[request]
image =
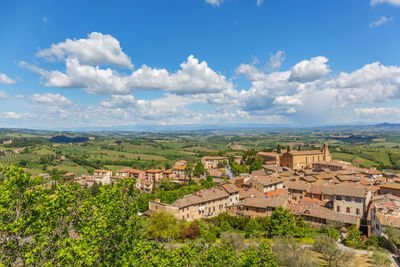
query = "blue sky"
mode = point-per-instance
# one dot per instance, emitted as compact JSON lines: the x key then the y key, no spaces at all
{"x":67,"y":64}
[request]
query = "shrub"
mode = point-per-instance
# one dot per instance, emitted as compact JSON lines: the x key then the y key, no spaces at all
{"x":236,"y":240}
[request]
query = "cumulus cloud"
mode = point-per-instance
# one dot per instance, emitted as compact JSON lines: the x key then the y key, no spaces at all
{"x":387,"y":113}
{"x":390,"y":2}
{"x":214,"y":2}
{"x":194,"y":77}
{"x":380,"y":21}
{"x":119,"y":101}
{"x":3,"y":95}
{"x":51,"y":99}
{"x":276,"y":60}
{"x":97,"y":49}
{"x":13,"y":115}
{"x":309,"y":70}
{"x":6,"y":80}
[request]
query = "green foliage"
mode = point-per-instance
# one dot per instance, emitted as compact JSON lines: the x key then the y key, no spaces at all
{"x":162,"y":226}
{"x":281,"y":222}
{"x":328,"y":247}
{"x":261,"y":256}
{"x":378,"y":242}
{"x":331,"y":232}
{"x":218,"y":255}
{"x":238,"y":168}
{"x":199,"y":169}
{"x":353,"y":233}
{"x":192,"y":231}
{"x":289,"y":253}
{"x":253,"y":228}
{"x":256,"y":165}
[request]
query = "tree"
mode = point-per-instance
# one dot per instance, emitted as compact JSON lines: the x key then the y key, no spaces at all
{"x":288,"y":148}
{"x":288,"y":253}
{"x":256,"y":165}
{"x":353,"y":233}
{"x":281,"y":222}
{"x":222,"y":164}
{"x":278,"y":149}
{"x":162,"y":226}
{"x":261,"y":256}
{"x":192,"y":231}
{"x":236,"y":240}
{"x":219,"y":255}
{"x":253,"y":228}
{"x":333,"y":255}
{"x":199,"y":169}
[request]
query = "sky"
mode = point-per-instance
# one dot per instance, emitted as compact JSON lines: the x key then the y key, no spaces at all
{"x":71,"y":64}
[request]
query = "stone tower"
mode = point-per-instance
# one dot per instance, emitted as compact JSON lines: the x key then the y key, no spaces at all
{"x":327,"y":155}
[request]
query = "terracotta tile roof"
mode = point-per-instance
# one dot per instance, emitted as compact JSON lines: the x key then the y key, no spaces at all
{"x":266,"y":180}
{"x":214,"y":158}
{"x":259,"y":202}
{"x":103,"y":171}
{"x":391,"y":186}
{"x":388,"y":220}
{"x":181,"y":168}
{"x":276,"y":192}
{"x":324,"y":213}
{"x":306,"y":152}
{"x":154,"y":171}
{"x":296,"y":185}
{"x":251,"y":192}
{"x":201,"y":196}
{"x":350,"y":191}
{"x":230,"y":188}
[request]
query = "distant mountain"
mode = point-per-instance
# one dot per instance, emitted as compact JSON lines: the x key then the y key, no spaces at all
{"x":386,"y":124}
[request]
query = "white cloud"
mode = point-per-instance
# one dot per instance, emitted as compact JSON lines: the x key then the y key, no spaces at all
{"x":259,"y":2}
{"x":390,"y":2}
{"x":194,"y":77}
{"x":380,"y":21}
{"x":13,"y":115}
{"x":214,"y":2}
{"x":309,"y":70}
{"x":119,"y":101}
{"x":3,"y":95}
{"x":288,"y":100}
{"x":51,"y":100}
{"x":6,"y":80}
{"x":276,"y":60}
{"x":97,"y":49}
{"x":387,"y":113}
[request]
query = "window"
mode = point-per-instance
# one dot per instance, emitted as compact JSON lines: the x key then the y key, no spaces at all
{"x":214,"y":208}
{"x":348,"y":199}
{"x":348,"y":209}
{"x":357,"y":211}
{"x":338,"y":198}
{"x":187,"y":216}
{"x":358,"y":200}
{"x":236,"y":198}
{"x":338,"y":208}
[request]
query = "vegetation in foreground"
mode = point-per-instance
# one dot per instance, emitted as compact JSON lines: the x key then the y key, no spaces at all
{"x":69,"y":225}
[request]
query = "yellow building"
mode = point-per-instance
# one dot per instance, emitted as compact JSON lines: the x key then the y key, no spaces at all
{"x":304,"y":159}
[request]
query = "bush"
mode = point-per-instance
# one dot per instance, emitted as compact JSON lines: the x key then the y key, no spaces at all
{"x":378,"y":242}
{"x":253,"y":228}
{"x":331,"y":232}
{"x":354,"y":244}
{"x":236,"y":240}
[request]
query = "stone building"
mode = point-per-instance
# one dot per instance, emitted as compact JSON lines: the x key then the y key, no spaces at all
{"x":304,"y":159}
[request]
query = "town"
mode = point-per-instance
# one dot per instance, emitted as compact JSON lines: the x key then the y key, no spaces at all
{"x":308,"y":183}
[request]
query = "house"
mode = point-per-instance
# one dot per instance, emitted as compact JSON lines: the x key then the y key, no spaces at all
{"x":387,"y":209}
{"x":233,"y":192}
{"x":304,"y":159}
{"x":351,"y":200}
{"x":154,"y":175}
{"x":334,"y":165}
{"x":212,"y":162}
{"x":102,"y":176}
{"x":99,"y":172}
{"x":316,"y":216}
{"x":266,"y":183}
{"x":270,"y":158}
{"x":178,"y":172}
{"x":238,"y":159}
{"x":261,"y":206}
{"x":390,"y":188}
{"x":202,"y":204}
{"x":130,"y":173}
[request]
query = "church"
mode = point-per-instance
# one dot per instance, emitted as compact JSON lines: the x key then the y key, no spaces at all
{"x":304,"y":159}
